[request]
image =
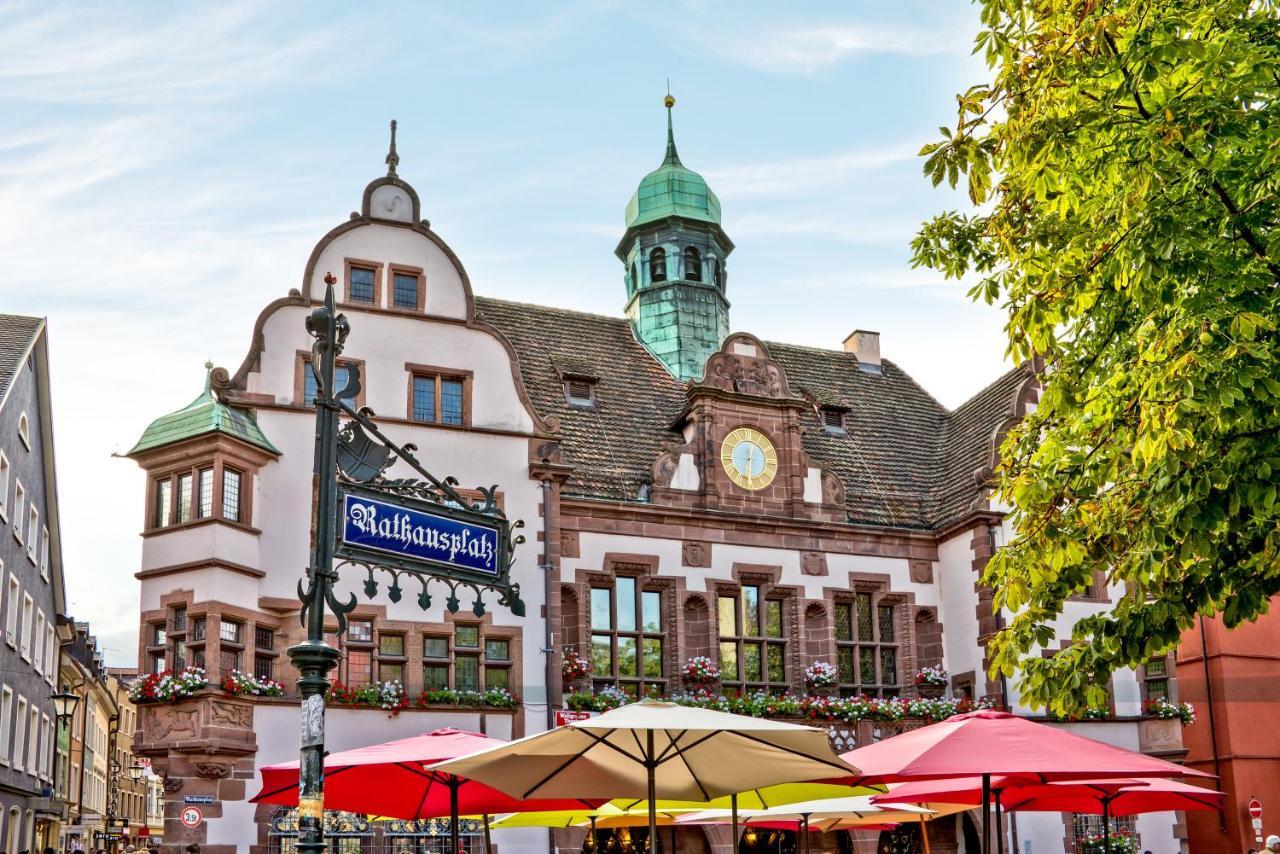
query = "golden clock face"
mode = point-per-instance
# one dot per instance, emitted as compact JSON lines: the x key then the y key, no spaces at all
{"x":749,"y":458}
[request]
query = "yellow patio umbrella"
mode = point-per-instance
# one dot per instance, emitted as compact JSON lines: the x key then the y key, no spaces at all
{"x":606,"y":816}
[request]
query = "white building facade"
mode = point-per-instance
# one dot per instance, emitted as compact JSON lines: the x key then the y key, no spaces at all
{"x":773,"y":507}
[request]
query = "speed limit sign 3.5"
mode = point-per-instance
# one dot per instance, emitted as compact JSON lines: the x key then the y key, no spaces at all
{"x":191,"y":816}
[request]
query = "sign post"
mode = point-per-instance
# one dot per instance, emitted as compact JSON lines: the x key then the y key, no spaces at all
{"x":417,"y":529}
{"x":1255,"y":814}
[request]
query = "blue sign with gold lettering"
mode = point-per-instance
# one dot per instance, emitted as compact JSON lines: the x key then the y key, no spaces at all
{"x":413,"y":531}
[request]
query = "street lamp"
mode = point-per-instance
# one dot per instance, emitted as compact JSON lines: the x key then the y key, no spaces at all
{"x":64,"y":704}
{"x":135,"y":772}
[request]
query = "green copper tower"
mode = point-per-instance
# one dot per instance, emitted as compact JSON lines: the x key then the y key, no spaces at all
{"x":674,"y":251}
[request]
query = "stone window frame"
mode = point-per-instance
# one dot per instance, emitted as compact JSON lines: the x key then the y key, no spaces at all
{"x":215,"y":464}
{"x":348,"y":264}
{"x":770,"y":590}
{"x":6,"y":474}
{"x":486,"y":631}
{"x":395,"y":269}
{"x":1169,"y":677}
{"x":642,"y":683}
{"x":302,"y":364}
{"x":879,"y":595}
{"x":439,"y":374}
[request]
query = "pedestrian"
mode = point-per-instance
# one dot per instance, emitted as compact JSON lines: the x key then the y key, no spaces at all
{"x":1273,"y":843}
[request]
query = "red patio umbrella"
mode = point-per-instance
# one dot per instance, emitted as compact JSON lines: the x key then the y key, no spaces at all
{"x":391,"y":780}
{"x":990,"y":744}
{"x":1107,"y":797}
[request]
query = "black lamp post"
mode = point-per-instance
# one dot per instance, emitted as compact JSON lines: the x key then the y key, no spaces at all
{"x":64,"y":709}
{"x":350,"y":460}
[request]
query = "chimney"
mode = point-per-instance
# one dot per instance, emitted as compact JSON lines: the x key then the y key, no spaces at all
{"x":865,"y":346}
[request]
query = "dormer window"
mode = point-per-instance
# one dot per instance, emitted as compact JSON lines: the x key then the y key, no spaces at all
{"x":580,"y":392}
{"x":658,"y":265}
{"x":832,"y":418}
{"x":693,"y":264}
{"x":408,"y":286}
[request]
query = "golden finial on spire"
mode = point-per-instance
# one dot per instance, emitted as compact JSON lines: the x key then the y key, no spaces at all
{"x":669,"y":101}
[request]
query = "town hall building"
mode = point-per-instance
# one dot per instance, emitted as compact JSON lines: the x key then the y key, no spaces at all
{"x":688,"y":490}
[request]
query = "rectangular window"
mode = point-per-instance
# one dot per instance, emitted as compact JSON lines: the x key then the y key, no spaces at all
{"x":263,"y":665}
{"x":388,"y":672}
{"x":197,"y":628}
{"x":184,"y":498}
{"x":231,"y":480}
{"x":627,"y":637}
{"x":832,"y":419}
{"x":6,"y":723}
{"x":19,"y":734}
{"x":33,"y":740}
{"x":435,"y":677}
{"x":752,"y":640}
{"x":229,"y":660}
{"x":197,"y":657}
{"x":466,"y":673}
{"x":360,"y":631}
{"x":1155,"y":679}
{"x":580,"y":393}
{"x":404,"y":288}
{"x":435,"y":647}
{"x":466,"y":636}
{"x":33,"y":532}
{"x":37,"y":642}
{"x":5,"y":473}
{"x":391,"y":645}
{"x":162,"y":512}
{"x":44,"y":553}
{"x":360,"y":285}
{"x":179,"y":655}
{"x":264,"y":637}
{"x":19,"y":507}
{"x":230,"y":630}
{"x":439,"y":399}
{"x":24,"y":629}
{"x":341,"y":373}
{"x":178,"y":617}
{"x":158,"y":634}
{"x":50,"y":652}
{"x":866,"y":647}
{"x":204,"y":488}
{"x":497,"y":677}
{"x":157,"y":662}
{"x":497,"y":649}
{"x":11,"y":615}
{"x":359,"y":667}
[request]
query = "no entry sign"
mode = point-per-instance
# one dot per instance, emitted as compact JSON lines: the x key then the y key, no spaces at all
{"x":1255,"y":808}
{"x":191,"y":816}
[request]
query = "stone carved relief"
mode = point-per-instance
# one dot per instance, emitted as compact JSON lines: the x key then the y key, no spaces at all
{"x":664,"y":468}
{"x":813,"y":563}
{"x":172,"y":784}
{"x":212,"y":770}
{"x":173,"y":724}
{"x":745,"y":375}
{"x":921,"y":571}
{"x":696,"y":553}
{"x":231,"y":714}
{"x":832,"y":489}
{"x":569,"y":544}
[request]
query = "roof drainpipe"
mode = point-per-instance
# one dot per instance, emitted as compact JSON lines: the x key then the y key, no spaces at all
{"x":1213,"y":730}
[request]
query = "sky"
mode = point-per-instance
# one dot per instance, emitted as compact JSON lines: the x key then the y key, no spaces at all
{"x":165,"y":170}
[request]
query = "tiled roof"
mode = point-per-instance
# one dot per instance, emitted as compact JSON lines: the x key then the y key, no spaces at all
{"x":16,"y":332}
{"x":611,"y":447}
{"x":904,"y":459}
{"x":206,"y":414}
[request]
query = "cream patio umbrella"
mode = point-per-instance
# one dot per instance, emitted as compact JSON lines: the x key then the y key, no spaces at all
{"x":654,"y":749}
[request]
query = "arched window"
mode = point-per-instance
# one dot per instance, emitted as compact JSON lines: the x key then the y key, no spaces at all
{"x":635,"y":279}
{"x":658,"y":265}
{"x":692,"y":264}
{"x":715,"y":272}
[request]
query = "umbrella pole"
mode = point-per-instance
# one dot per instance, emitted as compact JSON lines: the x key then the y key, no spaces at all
{"x":999,"y":824}
{"x":455,"y":838}
{"x":488,"y":841}
{"x":651,"y":767}
{"x":595,"y":840}
{"x":924,"y":833}
{"x":804,"y":833}
{"x":1106,"y":825}
{"x":986,"y":814}
{"x":733,"y":805}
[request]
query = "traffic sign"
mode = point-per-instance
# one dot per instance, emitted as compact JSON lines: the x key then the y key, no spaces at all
{"x":199,"y":799}
{"x":1255,"y":808}
{"x":191,"y":817}
{"x":565,"y":716}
